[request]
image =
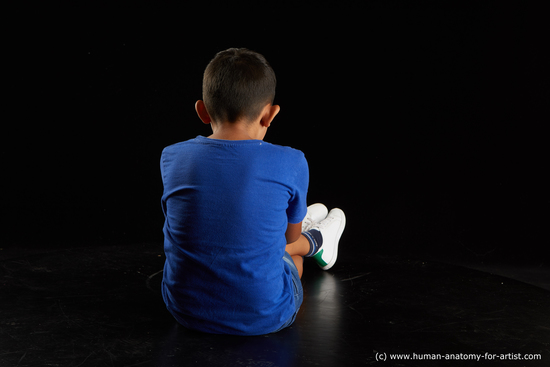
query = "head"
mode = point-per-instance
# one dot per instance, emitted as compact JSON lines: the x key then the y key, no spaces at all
{"x":237,"y":85}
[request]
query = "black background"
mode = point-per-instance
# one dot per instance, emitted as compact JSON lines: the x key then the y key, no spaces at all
{"x":424,"y":123}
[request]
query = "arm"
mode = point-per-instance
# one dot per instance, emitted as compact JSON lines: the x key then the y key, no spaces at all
{"x":293,"y":232}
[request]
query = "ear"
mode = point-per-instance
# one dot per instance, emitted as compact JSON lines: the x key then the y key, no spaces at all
{"x":202,"y":112}
{"x":269,"y":114}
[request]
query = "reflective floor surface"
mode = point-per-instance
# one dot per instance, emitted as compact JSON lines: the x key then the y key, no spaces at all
{"x":101,"y":306}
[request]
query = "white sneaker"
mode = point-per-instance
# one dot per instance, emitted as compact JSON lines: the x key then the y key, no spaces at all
{"x":331,"y":229}
{"x":315,"y":213}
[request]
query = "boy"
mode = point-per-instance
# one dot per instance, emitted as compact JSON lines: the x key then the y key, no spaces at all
{"x":236,"y":222}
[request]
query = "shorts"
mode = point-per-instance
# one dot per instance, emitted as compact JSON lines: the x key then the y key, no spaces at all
{"x":298,"y":291}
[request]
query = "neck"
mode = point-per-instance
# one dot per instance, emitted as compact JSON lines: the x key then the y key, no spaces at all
{"x":234,"y":131}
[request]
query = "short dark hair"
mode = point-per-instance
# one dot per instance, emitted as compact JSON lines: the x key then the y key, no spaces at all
{"x":237,"y":83}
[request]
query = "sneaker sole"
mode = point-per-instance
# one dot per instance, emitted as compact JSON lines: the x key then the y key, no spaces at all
{"x":339,"y":235}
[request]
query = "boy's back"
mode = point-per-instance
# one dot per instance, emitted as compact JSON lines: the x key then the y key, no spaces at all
{"x":227,"y":206}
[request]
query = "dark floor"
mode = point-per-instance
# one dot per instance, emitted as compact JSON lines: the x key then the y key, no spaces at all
{"x":101,"y":306}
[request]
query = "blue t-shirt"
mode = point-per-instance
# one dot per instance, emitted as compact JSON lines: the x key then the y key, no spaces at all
{"x":227,"y":205}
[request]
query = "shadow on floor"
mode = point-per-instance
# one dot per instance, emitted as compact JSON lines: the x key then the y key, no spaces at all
{"x":101,"y":306}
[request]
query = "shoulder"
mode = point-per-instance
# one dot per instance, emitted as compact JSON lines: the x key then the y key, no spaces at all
{"x":286,"y":151}
{"x":177,"y":153}
{"x":289,"y":160}
{"x":179,"y":146}
{"x":181,"y":149}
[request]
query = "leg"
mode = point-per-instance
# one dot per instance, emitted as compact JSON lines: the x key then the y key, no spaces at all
{"x":299,"y":247}
{"x":299,"y":262}
{"x":297,"y":250}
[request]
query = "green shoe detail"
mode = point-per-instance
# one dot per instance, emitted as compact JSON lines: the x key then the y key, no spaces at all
{"x":319,"y":258}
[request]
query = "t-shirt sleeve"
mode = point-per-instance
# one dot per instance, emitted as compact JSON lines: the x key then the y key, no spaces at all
{"x":297,"y":205}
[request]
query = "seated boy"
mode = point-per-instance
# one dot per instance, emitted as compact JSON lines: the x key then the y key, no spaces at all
{"x":236,"y":221}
